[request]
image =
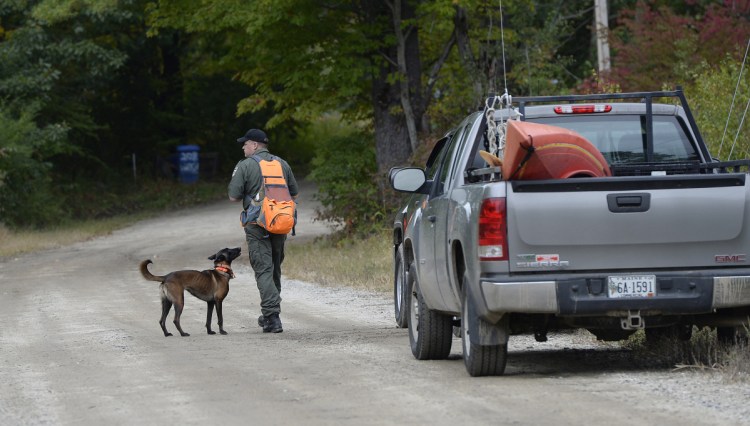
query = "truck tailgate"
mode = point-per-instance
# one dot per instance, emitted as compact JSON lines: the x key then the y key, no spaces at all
{"x":650,"y":222}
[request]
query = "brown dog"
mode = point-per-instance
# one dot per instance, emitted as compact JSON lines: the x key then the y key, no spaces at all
{"x":210,"y":285}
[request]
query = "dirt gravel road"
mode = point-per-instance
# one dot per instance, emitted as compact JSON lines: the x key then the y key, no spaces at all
{"x":80,"y":345}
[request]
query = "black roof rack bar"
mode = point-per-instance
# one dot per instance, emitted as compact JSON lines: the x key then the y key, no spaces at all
{"x":647,"y":97}
{"x":599,"y":96}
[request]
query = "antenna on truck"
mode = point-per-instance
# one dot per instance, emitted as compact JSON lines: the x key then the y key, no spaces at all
{"x":736,"y":89}
{"x":502,"y":45}
{"x":496,"y":128}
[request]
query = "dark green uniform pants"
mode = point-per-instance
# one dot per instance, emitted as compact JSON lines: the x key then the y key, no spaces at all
{"x":266,"y":254}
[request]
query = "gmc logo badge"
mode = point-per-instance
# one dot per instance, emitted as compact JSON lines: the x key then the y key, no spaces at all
{"x":730,"y":258}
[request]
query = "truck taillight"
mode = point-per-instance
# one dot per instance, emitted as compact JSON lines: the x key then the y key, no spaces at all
{"x":493,"y":241}
{"x":582,"y":109}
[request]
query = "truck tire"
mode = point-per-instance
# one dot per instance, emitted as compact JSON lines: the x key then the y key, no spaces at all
{"x":399,"y":288}
{"x":430,"y":333}
{"x":480,"y":360}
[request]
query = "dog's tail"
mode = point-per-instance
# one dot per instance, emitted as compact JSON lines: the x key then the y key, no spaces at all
{"x":148,"y":275}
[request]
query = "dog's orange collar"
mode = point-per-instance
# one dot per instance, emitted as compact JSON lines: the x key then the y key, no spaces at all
{"x":225,"y":269}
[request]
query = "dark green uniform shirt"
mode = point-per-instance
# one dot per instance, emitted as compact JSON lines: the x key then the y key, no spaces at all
{"x":247,"y":179}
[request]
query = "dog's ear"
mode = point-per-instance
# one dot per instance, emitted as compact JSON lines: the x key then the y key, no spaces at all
{"x":212,"y":257}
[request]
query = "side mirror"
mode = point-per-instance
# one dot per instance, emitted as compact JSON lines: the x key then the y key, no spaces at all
{"x":409,"y":179}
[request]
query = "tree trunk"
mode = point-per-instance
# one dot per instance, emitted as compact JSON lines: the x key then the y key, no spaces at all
{"x":400,"y":106}
{"x":409,"y":68}
{"x":391,"y":136}
{"x":392,"y":147}
{"x":470,"y":63}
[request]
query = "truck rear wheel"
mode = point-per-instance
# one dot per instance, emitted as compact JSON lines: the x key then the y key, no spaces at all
{"x":430,"y":333}
{"x":480,"y":360}
{"x":399,"y":288}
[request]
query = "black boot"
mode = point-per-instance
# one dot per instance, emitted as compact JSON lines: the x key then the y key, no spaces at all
{"x":262,"y":321}
{"x":272,"y":324}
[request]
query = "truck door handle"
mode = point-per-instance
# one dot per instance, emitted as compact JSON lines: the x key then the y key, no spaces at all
{"x":432,"y":218}
{"x":629,"y":203}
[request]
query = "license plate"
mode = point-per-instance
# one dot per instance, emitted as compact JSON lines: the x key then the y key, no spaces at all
{"x":632,"y":286}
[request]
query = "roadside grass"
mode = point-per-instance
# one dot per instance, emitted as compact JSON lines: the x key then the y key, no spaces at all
{"x":702,"y":352}
{"x":104,"y":214}
{"x":23,"y":241}
{"x":364,"y":264}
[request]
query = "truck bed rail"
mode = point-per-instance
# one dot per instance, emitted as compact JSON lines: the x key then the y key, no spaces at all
{"x":680,"y":168}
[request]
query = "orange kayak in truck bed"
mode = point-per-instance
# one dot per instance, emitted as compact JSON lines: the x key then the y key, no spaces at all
{"x":539,"y":151}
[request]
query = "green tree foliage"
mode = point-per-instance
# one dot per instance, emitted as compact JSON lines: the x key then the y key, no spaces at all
{"x":85,"y":85}
{"x":719,"y":98}
{"x":544,"y":48}
{"x":299,"y":57}
{"x":26,"y":190}
{"x":88,"y":69}
{"x":344,"y":168}
{"x":304,"y":57}
{"x":47,"y":66}
{"x":58,"y":55}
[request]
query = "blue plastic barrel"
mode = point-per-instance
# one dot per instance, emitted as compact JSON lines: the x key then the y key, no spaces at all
{"x":188,"y":162}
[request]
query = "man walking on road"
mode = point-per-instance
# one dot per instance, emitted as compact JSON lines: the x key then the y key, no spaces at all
{"x":266,"y":249}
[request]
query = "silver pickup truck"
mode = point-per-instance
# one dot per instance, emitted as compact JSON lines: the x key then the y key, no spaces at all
{"x":660,"y":245}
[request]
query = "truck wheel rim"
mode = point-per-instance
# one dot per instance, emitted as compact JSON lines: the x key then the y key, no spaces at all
{"x":414,"y":315}
{"x":400,"y":286}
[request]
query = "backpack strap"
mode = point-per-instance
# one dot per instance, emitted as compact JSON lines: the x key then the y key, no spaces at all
{"x":274,"y":181}
{"x":257,"y":158}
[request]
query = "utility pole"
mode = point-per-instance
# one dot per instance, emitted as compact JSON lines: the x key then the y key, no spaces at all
{"x":602,"y":33}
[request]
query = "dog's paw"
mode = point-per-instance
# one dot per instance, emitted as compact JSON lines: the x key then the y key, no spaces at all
{"x":185,"y":334}
{"x":211,"y":332}
{"x":167,"y":334}
{"x":223,"y":332}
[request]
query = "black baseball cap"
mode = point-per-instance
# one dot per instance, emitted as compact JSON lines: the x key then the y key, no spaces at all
{"x":254,"y":135}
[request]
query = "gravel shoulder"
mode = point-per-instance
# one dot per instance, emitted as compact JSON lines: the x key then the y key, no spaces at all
{"x":81,"y":345}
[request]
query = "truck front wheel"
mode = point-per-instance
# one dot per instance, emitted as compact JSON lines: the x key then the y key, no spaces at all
{"x":400,"y":295}
{"x":480,"y":360}
{"x":430,"y":332}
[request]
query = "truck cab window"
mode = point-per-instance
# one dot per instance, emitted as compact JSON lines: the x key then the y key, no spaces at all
{"x":622,"y":139}
{"x":445,"y":164}
{"x":435,"y":157}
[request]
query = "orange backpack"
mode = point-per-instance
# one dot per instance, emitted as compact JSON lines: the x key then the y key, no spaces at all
{"x":278,"y":211}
